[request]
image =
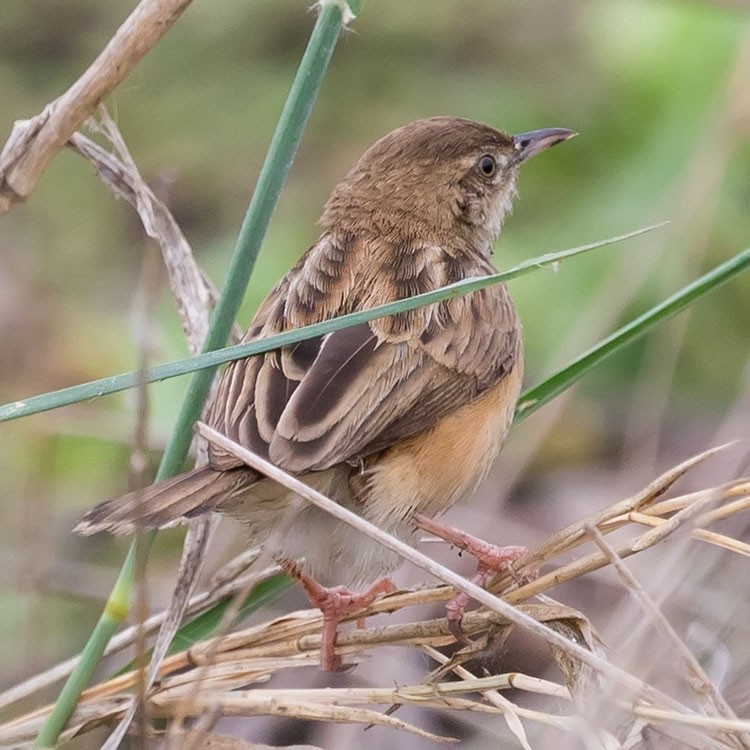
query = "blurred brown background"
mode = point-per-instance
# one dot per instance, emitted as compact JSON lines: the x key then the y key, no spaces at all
{"x":660,"y":93}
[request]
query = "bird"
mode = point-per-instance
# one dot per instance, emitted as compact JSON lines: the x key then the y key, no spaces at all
{"x":396,"y":419}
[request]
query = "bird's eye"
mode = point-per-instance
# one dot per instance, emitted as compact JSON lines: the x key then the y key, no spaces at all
{"x":487,"y":165}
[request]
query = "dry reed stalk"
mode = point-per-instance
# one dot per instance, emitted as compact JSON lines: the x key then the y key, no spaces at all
{"x":224,"y":668}
{"x":34,"y":143}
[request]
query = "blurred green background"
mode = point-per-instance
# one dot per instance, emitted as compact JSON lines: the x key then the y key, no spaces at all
{"x":660,"y":94}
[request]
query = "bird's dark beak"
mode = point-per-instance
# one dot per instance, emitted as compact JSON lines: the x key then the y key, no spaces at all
{"x":528,"y":144}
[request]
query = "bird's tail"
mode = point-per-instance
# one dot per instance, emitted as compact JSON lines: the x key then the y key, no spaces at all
{"x":161,"y":504}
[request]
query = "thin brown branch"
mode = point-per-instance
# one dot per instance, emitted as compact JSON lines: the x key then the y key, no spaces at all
{"x":34,"y":143}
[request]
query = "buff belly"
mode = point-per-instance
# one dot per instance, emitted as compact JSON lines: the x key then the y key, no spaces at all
{"x":424,"y":474}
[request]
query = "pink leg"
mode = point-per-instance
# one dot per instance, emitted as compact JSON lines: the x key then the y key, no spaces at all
{"x":490,"y":559}
{"x":335,"y":603}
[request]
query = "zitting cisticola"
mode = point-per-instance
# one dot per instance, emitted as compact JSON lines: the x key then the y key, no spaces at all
{"x":397,"y":418}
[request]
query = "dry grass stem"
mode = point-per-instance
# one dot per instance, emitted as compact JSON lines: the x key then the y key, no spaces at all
{"x":230,"y":579}
{"x":34,"y":143}
{"x":624,"y":549}
{"x":513,"y":713}
{"x":192,"y":293}
{"x":559,"y":642}
{"x":657,"y":716}
{"x":713,"y":702}
{"x":193,"y":296}
{"x":220,"y":676}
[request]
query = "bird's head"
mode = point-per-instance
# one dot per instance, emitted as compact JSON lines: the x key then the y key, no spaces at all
{"x":443,"y":179}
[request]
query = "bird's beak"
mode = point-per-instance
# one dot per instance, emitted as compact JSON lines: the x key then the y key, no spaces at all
{"x":528,"y":144}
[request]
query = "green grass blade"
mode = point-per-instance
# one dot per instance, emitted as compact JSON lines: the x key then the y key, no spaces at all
{"x":116,"y":383}
{"x":274,"y":172}
{"x":207,"y":622}
{"x":536,"y":397}
{"x":105,"y":628}
{"x":275,"y":169}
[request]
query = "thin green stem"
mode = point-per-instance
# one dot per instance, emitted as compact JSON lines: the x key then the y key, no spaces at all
{"x":536,"y":397}
{"x":275,"y":169}
{"x":105,"y":628}
{"x":115,"y":383}
{"x":281,"y":153}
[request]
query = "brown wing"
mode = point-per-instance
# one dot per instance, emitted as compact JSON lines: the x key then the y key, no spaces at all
{"x":356,"y":391}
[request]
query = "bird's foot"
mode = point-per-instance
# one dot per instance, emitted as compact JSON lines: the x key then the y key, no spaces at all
{"x":490,"y":559}
{"x":335,"y":603}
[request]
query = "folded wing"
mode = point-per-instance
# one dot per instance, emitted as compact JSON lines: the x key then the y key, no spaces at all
{"x":354,"y":392}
